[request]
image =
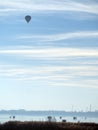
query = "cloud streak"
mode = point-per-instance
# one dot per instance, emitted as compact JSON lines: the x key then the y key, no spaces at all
{"x":53,"y":76}
{"x":59,"y":37}
{"x":51,"y":52}
{"x":52,"y":5}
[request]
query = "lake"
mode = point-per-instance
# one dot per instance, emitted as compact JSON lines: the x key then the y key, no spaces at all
{"x":5,"y":118}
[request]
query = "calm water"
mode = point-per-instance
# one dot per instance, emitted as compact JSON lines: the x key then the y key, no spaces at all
{"x":5,"y":118}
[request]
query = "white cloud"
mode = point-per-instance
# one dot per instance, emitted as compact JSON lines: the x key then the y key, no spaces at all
{"x":58,"y":37}
{"x":52,"y":5}
{"x":51,"y":52}
{"x":54,"y":75}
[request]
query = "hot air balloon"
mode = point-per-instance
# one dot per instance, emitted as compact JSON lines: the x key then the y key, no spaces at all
{"x":28,"y":18}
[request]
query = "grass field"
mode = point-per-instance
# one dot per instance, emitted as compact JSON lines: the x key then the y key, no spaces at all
{"x":16,"y":125}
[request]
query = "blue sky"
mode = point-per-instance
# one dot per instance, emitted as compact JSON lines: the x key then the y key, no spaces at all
{"x":50,"y":63}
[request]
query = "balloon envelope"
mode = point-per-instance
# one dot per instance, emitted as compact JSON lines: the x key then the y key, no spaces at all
{"x":28,"y":18}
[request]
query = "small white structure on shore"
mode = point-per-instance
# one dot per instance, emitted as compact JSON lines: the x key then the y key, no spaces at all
{"x":51,"y":119}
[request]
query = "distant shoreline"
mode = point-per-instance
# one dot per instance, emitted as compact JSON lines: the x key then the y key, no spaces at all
{"x":17,"y":125}
{"x":48,"y":113}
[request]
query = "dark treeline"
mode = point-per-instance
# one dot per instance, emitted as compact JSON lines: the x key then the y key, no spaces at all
{"x":47,"y":126}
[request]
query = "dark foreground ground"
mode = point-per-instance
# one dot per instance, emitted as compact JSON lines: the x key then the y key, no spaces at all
{"x":47,"y":126}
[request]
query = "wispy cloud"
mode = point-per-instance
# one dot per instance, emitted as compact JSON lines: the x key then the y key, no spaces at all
{"x":52,"y":5}
{"x":59,"y":37}
{"x":51,"y":52}
{"x":54,"y":75}
{"x":79,"y":83}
